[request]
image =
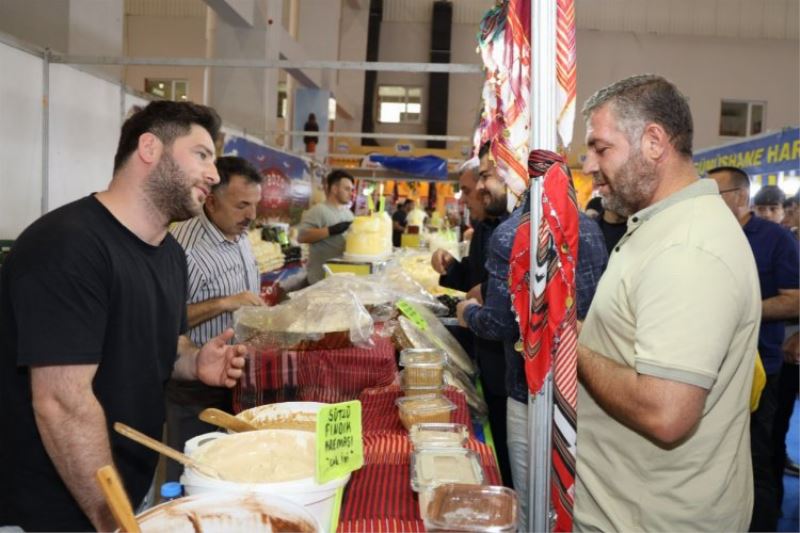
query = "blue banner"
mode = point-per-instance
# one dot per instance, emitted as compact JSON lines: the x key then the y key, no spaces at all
{"x":768,"y":154}
{"x":286,"y":190}
{"x":428,"y":166}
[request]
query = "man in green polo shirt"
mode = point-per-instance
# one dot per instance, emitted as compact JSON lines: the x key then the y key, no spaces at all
{"x":666,"y":353}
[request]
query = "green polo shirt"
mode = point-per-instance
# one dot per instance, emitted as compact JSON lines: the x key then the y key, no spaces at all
{"x":680,"y":300}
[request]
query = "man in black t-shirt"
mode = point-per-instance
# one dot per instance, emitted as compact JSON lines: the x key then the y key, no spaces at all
{"x":92,"y":315}
{"x":399,"y":221}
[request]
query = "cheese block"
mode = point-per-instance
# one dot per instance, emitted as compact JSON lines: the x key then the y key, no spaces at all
{"x":369,"y":236}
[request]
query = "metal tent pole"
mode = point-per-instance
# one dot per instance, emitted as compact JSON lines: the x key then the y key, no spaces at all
{"x":543,"y":136}
{"x":286,"y":64}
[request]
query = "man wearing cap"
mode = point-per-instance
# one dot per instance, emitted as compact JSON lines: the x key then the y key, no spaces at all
{"x":776,"y":255}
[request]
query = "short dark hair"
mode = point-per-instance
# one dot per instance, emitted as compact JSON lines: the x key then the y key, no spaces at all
{"x":769,"y":195}
{"x":738,"y":176}
{"x":230,"y":166}
{"x":484,"y":149}
{"x":638,"y":100}
{"x":336,"y":176}
{"x":167,"y":121}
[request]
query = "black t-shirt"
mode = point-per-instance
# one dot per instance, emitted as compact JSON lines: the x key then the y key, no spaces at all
{"x":80,"y":288}
{"x":612,"y":233}
{"x":399,"y":216}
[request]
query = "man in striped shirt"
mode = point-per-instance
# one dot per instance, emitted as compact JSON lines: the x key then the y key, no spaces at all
{"x":223,"y":277}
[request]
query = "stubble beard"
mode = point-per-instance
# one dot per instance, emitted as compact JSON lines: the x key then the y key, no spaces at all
{"x":169,"y":190}
{"x":633,"y":188}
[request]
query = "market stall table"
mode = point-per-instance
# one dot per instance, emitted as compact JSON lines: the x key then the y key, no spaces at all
{"x":378,"y":497}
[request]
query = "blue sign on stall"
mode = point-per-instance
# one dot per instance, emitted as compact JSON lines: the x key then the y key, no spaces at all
{"x":771,"y":153}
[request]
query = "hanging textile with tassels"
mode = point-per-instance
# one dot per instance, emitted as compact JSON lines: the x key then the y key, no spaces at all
{"x":504,"y":45}
{"x":565,"y":69}
{"x":548,"y":323}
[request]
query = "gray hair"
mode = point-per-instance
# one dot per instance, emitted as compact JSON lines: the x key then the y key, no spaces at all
{"x":647,"y":98}
{"x":469,"y":165}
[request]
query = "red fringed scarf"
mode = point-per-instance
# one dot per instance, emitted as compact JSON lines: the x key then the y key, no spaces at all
{"x":548,"y":324}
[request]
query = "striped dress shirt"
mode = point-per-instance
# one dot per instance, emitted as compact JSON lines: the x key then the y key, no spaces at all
{"x":218,"y":267}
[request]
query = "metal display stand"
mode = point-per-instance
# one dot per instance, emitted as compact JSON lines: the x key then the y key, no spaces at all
{"x":543,"y":114}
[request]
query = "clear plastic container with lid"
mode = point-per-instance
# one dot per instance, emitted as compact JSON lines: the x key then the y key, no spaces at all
{"x":462,"y":507}
{"x":423,"y":366}
{"x":434,"y":466}
{"x":415,"y":390}
{"x":438,"y":435}
{"x":424,"y":408}
{"x":422,"y":356}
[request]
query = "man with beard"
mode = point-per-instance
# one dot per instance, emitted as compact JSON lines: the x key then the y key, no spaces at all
{"x":92,"y":323}
{"x":223,"y":276}
{"x":494,"y":318}
{"x":485,"y":195}
{"x":666,"y":354}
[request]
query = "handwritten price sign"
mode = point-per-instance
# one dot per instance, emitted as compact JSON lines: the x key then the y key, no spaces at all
{"x":340,"y":449}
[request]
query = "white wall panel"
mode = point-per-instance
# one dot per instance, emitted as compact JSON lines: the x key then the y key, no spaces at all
{"x":133,"y":100}
{"x":84,"y":131}
{"x":706,"y":69}
{"x":20,"y":141}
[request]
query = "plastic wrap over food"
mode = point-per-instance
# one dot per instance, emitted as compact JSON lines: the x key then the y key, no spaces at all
{"x":377,"y":299}
{"x":455,"y":377}
{"x":407,"y":335}
{"x":365,"y":288}
{"x":314,"y":320}
{"x":403,"y":287}
{"x":417,"y":264}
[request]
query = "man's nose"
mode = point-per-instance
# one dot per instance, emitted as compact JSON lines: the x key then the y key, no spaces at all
{"x":590,"y":164}
{"x":212,"y":173}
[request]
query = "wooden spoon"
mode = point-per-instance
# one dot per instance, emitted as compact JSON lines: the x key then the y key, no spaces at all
{"x":117,"y":499}
{"x":163,"y":449}
{"x":225,"y":420}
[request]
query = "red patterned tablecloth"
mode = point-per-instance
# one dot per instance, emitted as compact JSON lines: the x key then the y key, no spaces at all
{"x":379,"y":496}
{"x":315,"y":375}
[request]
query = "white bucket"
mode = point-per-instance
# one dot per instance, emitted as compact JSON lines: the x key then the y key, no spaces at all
{"x":317,"y":499}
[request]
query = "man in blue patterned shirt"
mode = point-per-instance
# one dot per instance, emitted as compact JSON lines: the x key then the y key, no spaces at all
{"x":495,"y":319}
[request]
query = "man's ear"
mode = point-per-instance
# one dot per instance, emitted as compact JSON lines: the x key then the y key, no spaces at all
{"x":211,"y":202}
{"x":744,"y":197}
{"x":655,"y":142}
{"x":149,"y":148}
